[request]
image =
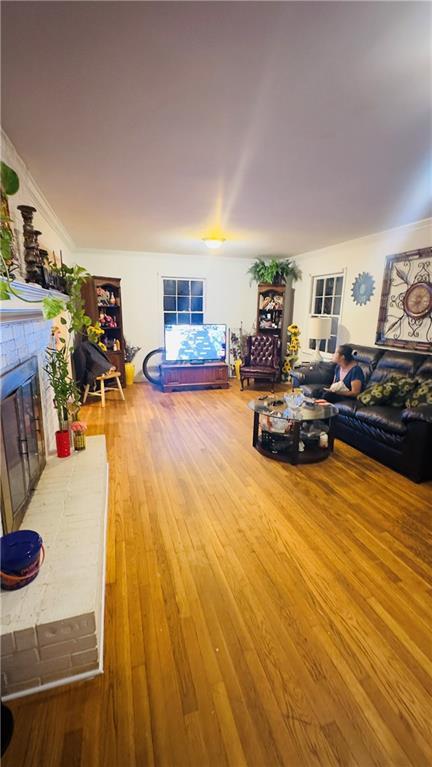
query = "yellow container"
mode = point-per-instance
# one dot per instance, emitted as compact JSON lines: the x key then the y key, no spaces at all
{"x":237,"y":366}
{"x":129,"y":373}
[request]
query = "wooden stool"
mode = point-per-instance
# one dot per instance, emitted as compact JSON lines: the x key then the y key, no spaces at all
{"x":111,"y":375}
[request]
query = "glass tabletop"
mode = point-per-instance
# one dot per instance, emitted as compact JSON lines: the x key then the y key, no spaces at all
{"x":276,"y":407}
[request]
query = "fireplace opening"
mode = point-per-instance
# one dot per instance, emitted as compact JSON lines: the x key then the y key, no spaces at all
{"x":22,"y":441}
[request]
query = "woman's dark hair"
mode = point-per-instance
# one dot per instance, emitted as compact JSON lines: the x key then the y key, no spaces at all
{"x":346,"y":351}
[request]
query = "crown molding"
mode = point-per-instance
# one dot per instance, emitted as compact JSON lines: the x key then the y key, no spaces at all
{"x":38,"y":199}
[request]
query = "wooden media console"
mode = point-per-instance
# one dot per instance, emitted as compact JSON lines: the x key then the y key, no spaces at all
{"x":186,"y":375}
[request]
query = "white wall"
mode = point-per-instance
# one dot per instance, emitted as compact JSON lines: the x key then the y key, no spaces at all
{"x":54,"y":236}
{"x":229,"y":298}
{"x":366,"y":254}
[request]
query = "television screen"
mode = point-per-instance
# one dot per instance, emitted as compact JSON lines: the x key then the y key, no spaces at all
{"x":197,"y":343}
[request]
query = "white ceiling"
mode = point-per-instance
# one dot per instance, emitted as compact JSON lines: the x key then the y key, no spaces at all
{"x":293,"y":125}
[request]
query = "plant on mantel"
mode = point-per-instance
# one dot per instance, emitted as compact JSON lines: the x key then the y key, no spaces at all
{"x":66,"y":393}
{"x":275,"y":271}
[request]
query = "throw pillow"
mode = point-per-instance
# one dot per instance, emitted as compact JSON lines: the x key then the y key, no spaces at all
{"x":405,"y":387}
{"x":422,"y":395}
{"x":378,"y":394}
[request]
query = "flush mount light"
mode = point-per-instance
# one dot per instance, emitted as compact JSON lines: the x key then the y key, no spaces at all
{"x":214,"y":242}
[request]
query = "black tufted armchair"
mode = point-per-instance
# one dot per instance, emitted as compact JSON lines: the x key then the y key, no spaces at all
{"x":262,"y":360}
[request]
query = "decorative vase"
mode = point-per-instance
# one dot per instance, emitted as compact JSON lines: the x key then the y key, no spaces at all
{"x":129,"y":373}
{"x":63,"y":443}
{"x":237,"y":366}
{"x":79,"y":440}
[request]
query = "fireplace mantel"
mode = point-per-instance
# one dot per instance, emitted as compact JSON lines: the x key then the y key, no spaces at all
{"x":16,"y":310}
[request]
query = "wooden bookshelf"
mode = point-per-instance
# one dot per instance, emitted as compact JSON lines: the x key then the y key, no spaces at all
{"x":103,"y":303}
{"x":274,"y":311}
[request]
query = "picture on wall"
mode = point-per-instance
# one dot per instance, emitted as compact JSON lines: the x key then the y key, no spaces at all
{"x":405,"y":315}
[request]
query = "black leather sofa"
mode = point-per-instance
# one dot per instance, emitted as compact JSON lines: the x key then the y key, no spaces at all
{"x":400,"y":438}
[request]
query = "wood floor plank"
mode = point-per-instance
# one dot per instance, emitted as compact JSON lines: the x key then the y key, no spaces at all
{"x":257,"y":613}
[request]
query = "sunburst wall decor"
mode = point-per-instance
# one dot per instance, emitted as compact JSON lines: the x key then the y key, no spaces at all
{"x":363,"y":288}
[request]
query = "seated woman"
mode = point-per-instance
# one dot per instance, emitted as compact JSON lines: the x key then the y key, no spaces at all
{"x":348,"y":372}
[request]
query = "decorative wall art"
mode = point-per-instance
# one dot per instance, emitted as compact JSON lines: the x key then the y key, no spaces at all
{"x":363,"y":288}
{"x":405,"y":316}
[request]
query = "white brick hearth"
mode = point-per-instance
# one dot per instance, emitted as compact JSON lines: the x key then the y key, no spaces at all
{"x":52,"y":629}
{"x":24,"y":333}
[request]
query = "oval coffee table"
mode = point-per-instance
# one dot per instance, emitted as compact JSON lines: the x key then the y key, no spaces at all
{"x":280,"y":439}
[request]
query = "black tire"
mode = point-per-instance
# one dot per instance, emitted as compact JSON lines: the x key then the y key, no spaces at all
{"x":151,"y":365}
{"x":7,"y":727}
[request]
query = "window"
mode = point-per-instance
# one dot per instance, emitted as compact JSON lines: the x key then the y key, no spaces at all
{"x":327,"y":300}
{"x":183,"y":301}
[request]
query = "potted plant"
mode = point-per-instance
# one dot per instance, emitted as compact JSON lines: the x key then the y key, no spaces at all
{"x":275,"y":271}
{"x":66,"y":394}
{"x":129,"y":353}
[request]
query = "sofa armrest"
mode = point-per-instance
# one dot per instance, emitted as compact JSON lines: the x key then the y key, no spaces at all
{"x":420,"y":413}
{"x":320,"y":373}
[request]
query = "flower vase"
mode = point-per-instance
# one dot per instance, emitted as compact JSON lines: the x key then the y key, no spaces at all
{"x":129,"y":373}
{"x":79,"y":440}
{"x":63,"y":443}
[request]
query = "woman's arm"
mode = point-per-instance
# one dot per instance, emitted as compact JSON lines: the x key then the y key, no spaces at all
{"x":356,"y":387}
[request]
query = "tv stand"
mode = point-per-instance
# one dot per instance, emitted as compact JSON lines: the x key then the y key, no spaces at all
{"x":187,"y":375}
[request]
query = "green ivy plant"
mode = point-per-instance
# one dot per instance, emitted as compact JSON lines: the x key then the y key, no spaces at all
{"x":9,"y":186}
{"x":66,"y":392}
{"x":275,"y":271}
{"x":74,"y":276}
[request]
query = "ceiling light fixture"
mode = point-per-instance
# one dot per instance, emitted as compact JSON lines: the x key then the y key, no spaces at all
{"x":214,"y":242}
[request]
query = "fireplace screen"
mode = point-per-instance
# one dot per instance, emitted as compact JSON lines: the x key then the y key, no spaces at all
{"x":23,"y":451}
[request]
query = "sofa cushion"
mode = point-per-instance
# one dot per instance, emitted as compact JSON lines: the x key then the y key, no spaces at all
{"x":405,"y":387}
{"x":401,"y":363}
{"x":370,"y":431}
{"x":422,"y":395}
{"x":379,"y":393}
{"x":424,"y":371}
{"x":347,"y":407}
{"x":383,"y":416}
{"x":420,"y":413}
{"x":251,"y":370}
{"x":367,"y":357}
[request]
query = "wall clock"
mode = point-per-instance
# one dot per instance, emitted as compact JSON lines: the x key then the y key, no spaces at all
{"x":417,"y":301}
{"x":405,"y":316}
{"x":363,"y":288}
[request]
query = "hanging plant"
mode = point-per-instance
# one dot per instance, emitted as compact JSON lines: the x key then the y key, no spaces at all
{"x":275,"y":271}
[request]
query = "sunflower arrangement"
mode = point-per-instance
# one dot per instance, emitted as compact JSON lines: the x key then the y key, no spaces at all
{"x":292,"y":351}
{"x":94,"y":332}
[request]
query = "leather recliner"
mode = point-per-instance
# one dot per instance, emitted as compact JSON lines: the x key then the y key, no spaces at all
{"x":400,"y":438}
{"x":262,"y":360}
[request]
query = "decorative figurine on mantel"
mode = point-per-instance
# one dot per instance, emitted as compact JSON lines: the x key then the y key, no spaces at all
{"x":32,"y":259}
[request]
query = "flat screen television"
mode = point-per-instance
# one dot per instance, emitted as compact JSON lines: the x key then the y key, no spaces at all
{"x":195,"y":343}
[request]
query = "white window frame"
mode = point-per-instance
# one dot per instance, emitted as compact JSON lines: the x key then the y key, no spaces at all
{"x":312,"y":313}
{"x":177,"y":278}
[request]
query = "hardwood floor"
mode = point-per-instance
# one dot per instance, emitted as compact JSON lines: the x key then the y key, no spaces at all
{"x":257,"y":613}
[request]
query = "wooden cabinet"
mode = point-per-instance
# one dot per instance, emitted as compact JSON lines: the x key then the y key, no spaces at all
{"x":103,"y":303}
{"x":177,"y":375}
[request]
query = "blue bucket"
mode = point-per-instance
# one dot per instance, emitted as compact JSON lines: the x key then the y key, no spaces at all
{"x":22,"y":554}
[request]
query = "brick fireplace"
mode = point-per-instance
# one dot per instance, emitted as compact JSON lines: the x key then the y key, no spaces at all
{"x":51,"y":630}
{"x":27,"y":413}
{"x":22,"y":440}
